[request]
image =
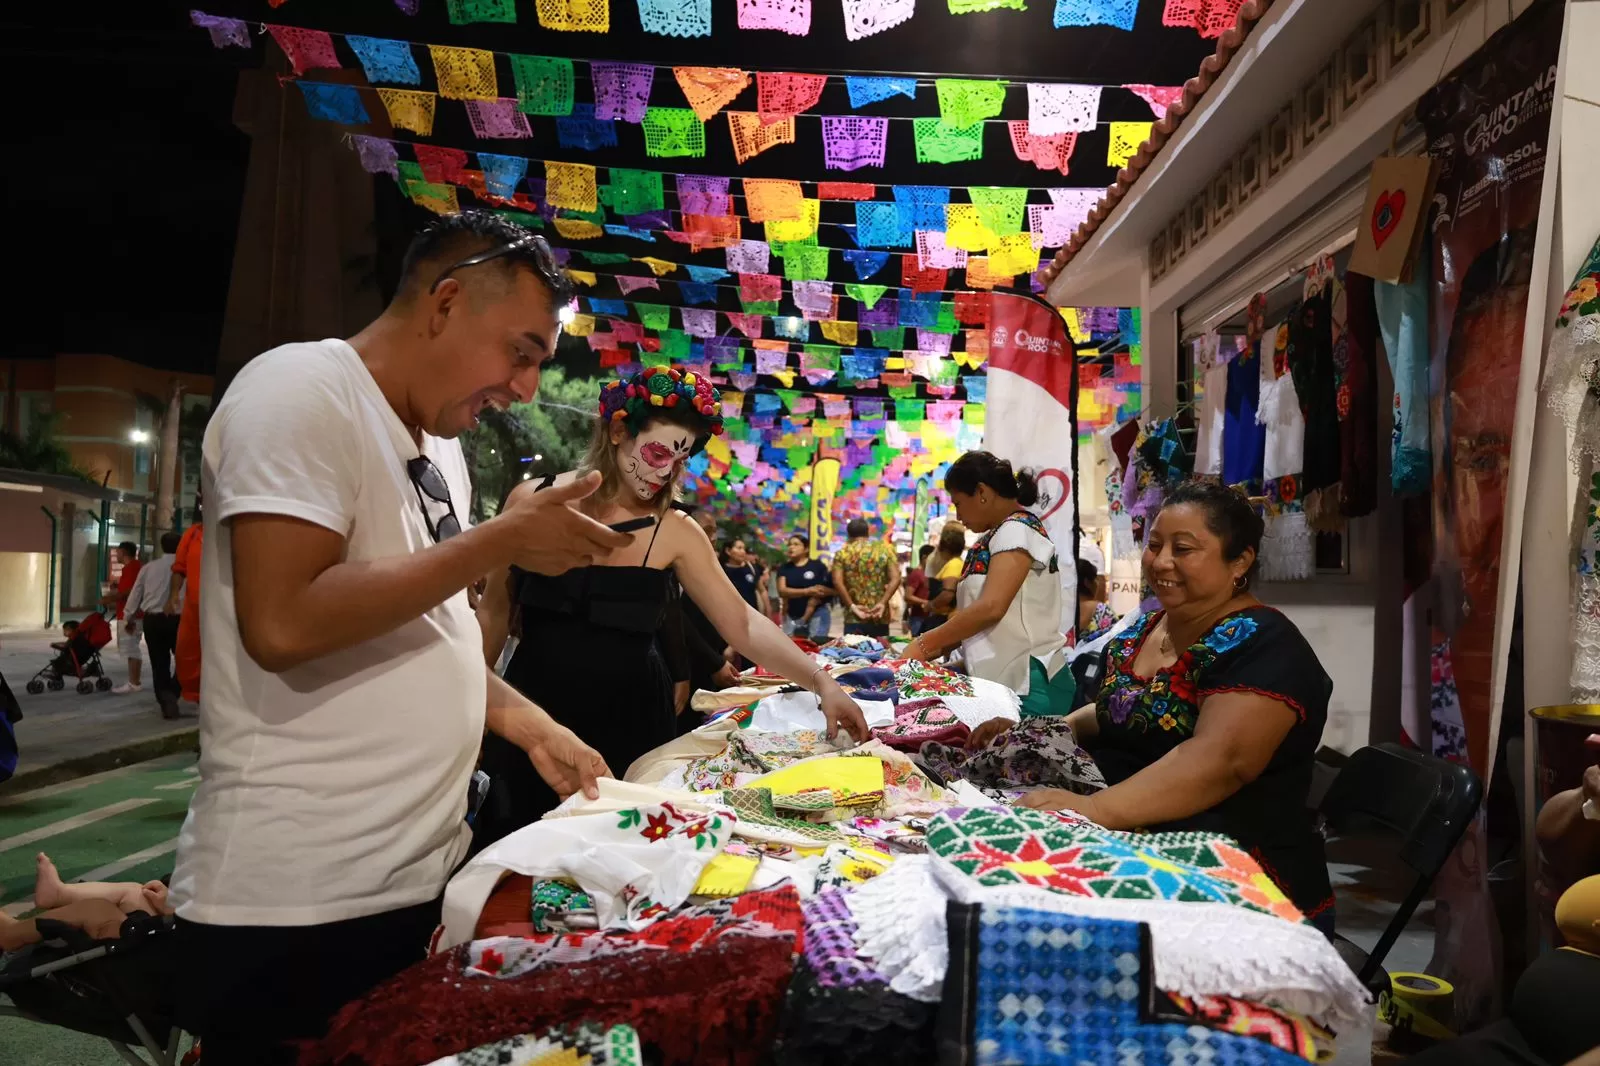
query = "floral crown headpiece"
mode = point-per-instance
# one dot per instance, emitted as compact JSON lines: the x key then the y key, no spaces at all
{"x":634,"y":400}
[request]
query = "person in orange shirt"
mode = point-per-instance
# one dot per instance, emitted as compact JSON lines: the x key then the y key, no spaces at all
{"x":186,"y":580}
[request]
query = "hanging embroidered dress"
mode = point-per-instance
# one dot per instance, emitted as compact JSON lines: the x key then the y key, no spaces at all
{"x":1025,"y":648}
{"x":1255,"y":650}
{"x":1571,"y":386}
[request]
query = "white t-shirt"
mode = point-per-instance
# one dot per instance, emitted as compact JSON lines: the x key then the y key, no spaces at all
{"x":1031,"y":628}
{"x":338,"y":788}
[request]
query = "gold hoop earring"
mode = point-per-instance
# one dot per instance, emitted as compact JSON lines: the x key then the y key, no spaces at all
{"x":1241,"y":583}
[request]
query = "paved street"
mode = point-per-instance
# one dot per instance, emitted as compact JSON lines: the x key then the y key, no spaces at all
{"x":63,"y":733}
{"x":120,"y":825}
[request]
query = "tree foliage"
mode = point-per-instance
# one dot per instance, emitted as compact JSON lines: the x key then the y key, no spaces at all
{"x":38,"y":451}
{"x":555,"y":427}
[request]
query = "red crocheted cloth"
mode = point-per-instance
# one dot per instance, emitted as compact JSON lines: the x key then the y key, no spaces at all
{"x":713,"y":997}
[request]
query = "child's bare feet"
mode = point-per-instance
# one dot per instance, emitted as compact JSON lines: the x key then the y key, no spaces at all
{"x":48,"y":890}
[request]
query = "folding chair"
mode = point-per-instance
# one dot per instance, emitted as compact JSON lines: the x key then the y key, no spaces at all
{"x":1425,"y":800}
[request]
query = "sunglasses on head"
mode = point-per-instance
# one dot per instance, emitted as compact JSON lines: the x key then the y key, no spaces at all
{"x":534,"y":250}
{"x":430,"y":485}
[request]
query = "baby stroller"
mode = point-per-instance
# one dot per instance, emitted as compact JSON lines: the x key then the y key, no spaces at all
{"x":79,"y":658}
{"x":118,"y":990}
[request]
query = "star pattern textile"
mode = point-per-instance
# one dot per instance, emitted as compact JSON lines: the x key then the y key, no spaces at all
{"x":676,"y":18}
{"x":1059,"y":851}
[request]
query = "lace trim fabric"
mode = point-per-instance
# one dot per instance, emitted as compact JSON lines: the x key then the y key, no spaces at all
{"x":676,"y":18}
{"x":900,"y":927}
{"x":1195,"y":947}
{"x":751,"y":136}
{"x":1288,"y":548}
{"x":863,"y":18}
{"x":1585,"y":676}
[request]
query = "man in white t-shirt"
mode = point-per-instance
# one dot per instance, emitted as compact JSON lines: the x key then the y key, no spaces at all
{"x":345,"y":695}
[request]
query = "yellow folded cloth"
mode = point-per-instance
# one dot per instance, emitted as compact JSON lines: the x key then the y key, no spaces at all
{"x":726,"y":875}
{"x":846,"y":776}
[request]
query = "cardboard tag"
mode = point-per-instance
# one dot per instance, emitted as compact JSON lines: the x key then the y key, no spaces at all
{"x":1390,"y":228}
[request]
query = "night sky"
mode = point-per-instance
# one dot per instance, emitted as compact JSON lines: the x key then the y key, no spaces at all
{"x":123,"y":180}
{"x":129,"y":226}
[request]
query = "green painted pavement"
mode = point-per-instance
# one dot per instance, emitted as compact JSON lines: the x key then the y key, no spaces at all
{"x":120,"y":825}
{"x":126,"y":820}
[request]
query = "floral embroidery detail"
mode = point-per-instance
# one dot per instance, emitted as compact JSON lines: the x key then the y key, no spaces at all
{"x":977,"y":561}
{"x":1170,"y":700}
{"x":1227,"y":635}
{"x":658,"y":829}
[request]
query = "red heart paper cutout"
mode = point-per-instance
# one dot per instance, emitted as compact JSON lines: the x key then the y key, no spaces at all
{"x":1386,"y":214}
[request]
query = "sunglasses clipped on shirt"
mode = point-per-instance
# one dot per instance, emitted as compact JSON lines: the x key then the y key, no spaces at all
{"x":430,"y":485}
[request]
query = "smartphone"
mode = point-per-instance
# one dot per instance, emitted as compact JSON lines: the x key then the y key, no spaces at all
{"x":633,"y":525}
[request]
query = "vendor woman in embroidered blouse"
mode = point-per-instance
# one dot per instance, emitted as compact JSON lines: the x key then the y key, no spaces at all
{"x":1007,"y":620}
{"x":1212,"y":707}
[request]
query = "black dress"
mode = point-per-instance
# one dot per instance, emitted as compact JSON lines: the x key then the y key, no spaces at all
{"x":590,"y":654}
{"x":1252,"y":650}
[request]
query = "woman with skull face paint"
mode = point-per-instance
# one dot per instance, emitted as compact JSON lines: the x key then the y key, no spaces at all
{"x":589,"y":652}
